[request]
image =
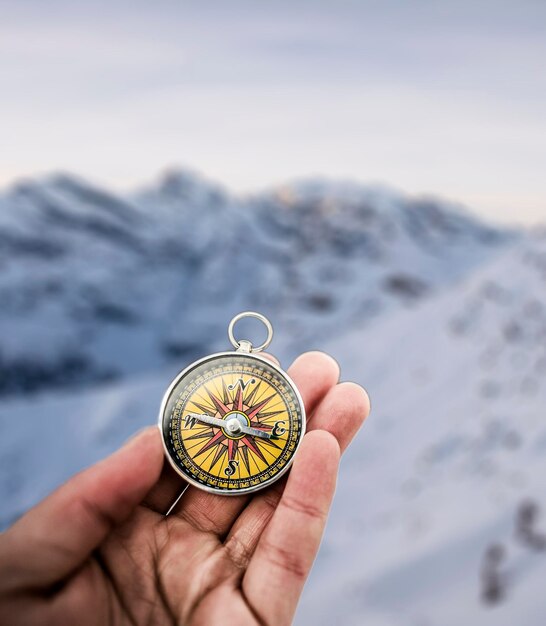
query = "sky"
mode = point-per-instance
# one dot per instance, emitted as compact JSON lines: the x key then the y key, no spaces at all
{"x":443,"y":98}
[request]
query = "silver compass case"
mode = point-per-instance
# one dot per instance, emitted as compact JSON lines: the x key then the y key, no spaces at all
{"x":232,"y":422}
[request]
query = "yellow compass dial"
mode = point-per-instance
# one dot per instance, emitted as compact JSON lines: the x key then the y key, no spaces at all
{"x":232,"y":423}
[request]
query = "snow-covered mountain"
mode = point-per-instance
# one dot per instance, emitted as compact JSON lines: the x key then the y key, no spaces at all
{"x":95,"y":286}
{"x":450,"y":470}
{"x":441,"y":494}
{"x":440,"y":513}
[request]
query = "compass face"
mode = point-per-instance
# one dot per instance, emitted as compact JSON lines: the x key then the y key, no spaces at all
{"x":232,"y":423}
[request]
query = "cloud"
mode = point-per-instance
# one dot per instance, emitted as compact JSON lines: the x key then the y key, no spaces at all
{"x":441,"y":97}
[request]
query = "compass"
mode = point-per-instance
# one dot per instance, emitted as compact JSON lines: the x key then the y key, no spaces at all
{"x":232,"y":422}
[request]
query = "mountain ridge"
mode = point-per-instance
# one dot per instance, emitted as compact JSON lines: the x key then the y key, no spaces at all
{"x":451,"y":455}
{"x":97,"y":285}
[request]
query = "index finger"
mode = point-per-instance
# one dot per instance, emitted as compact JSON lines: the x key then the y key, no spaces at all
{"x":286,"y":550}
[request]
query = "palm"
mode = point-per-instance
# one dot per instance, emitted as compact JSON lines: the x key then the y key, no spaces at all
{"x":171,"y":571}
{"x":215,"y":559}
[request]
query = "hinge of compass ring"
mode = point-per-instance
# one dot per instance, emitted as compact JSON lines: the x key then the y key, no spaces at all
{"x":244,"y":346}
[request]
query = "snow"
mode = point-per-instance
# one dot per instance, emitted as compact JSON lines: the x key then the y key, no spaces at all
{"x":455,"y":443}
{"x":146,"y":273}
{"x":456,"y":440}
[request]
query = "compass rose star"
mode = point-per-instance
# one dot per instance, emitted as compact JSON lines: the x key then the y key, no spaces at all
{"x":225,"y":402}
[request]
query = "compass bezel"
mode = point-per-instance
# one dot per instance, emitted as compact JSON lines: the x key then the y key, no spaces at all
{"x":185,"y":372}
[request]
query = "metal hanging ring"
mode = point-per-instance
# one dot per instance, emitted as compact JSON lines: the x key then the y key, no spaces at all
{"x":237,"y":344}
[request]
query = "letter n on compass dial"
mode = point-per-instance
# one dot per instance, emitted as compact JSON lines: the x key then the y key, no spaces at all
{"x":258,"y":423}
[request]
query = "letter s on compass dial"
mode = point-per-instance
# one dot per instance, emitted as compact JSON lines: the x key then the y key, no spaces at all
{"x":232,"y":423}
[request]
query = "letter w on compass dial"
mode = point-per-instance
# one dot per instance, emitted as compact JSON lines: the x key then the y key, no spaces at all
{"x":234,"y":437}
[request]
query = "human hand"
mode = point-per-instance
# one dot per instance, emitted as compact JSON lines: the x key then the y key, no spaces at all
{"x":100,"y":549}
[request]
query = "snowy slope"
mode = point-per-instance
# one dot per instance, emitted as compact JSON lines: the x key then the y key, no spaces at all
{"x":95,"y":286}
{"x":455,"y":445}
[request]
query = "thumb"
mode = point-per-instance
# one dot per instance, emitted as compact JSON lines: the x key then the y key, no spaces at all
{"x":55,"y":537}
